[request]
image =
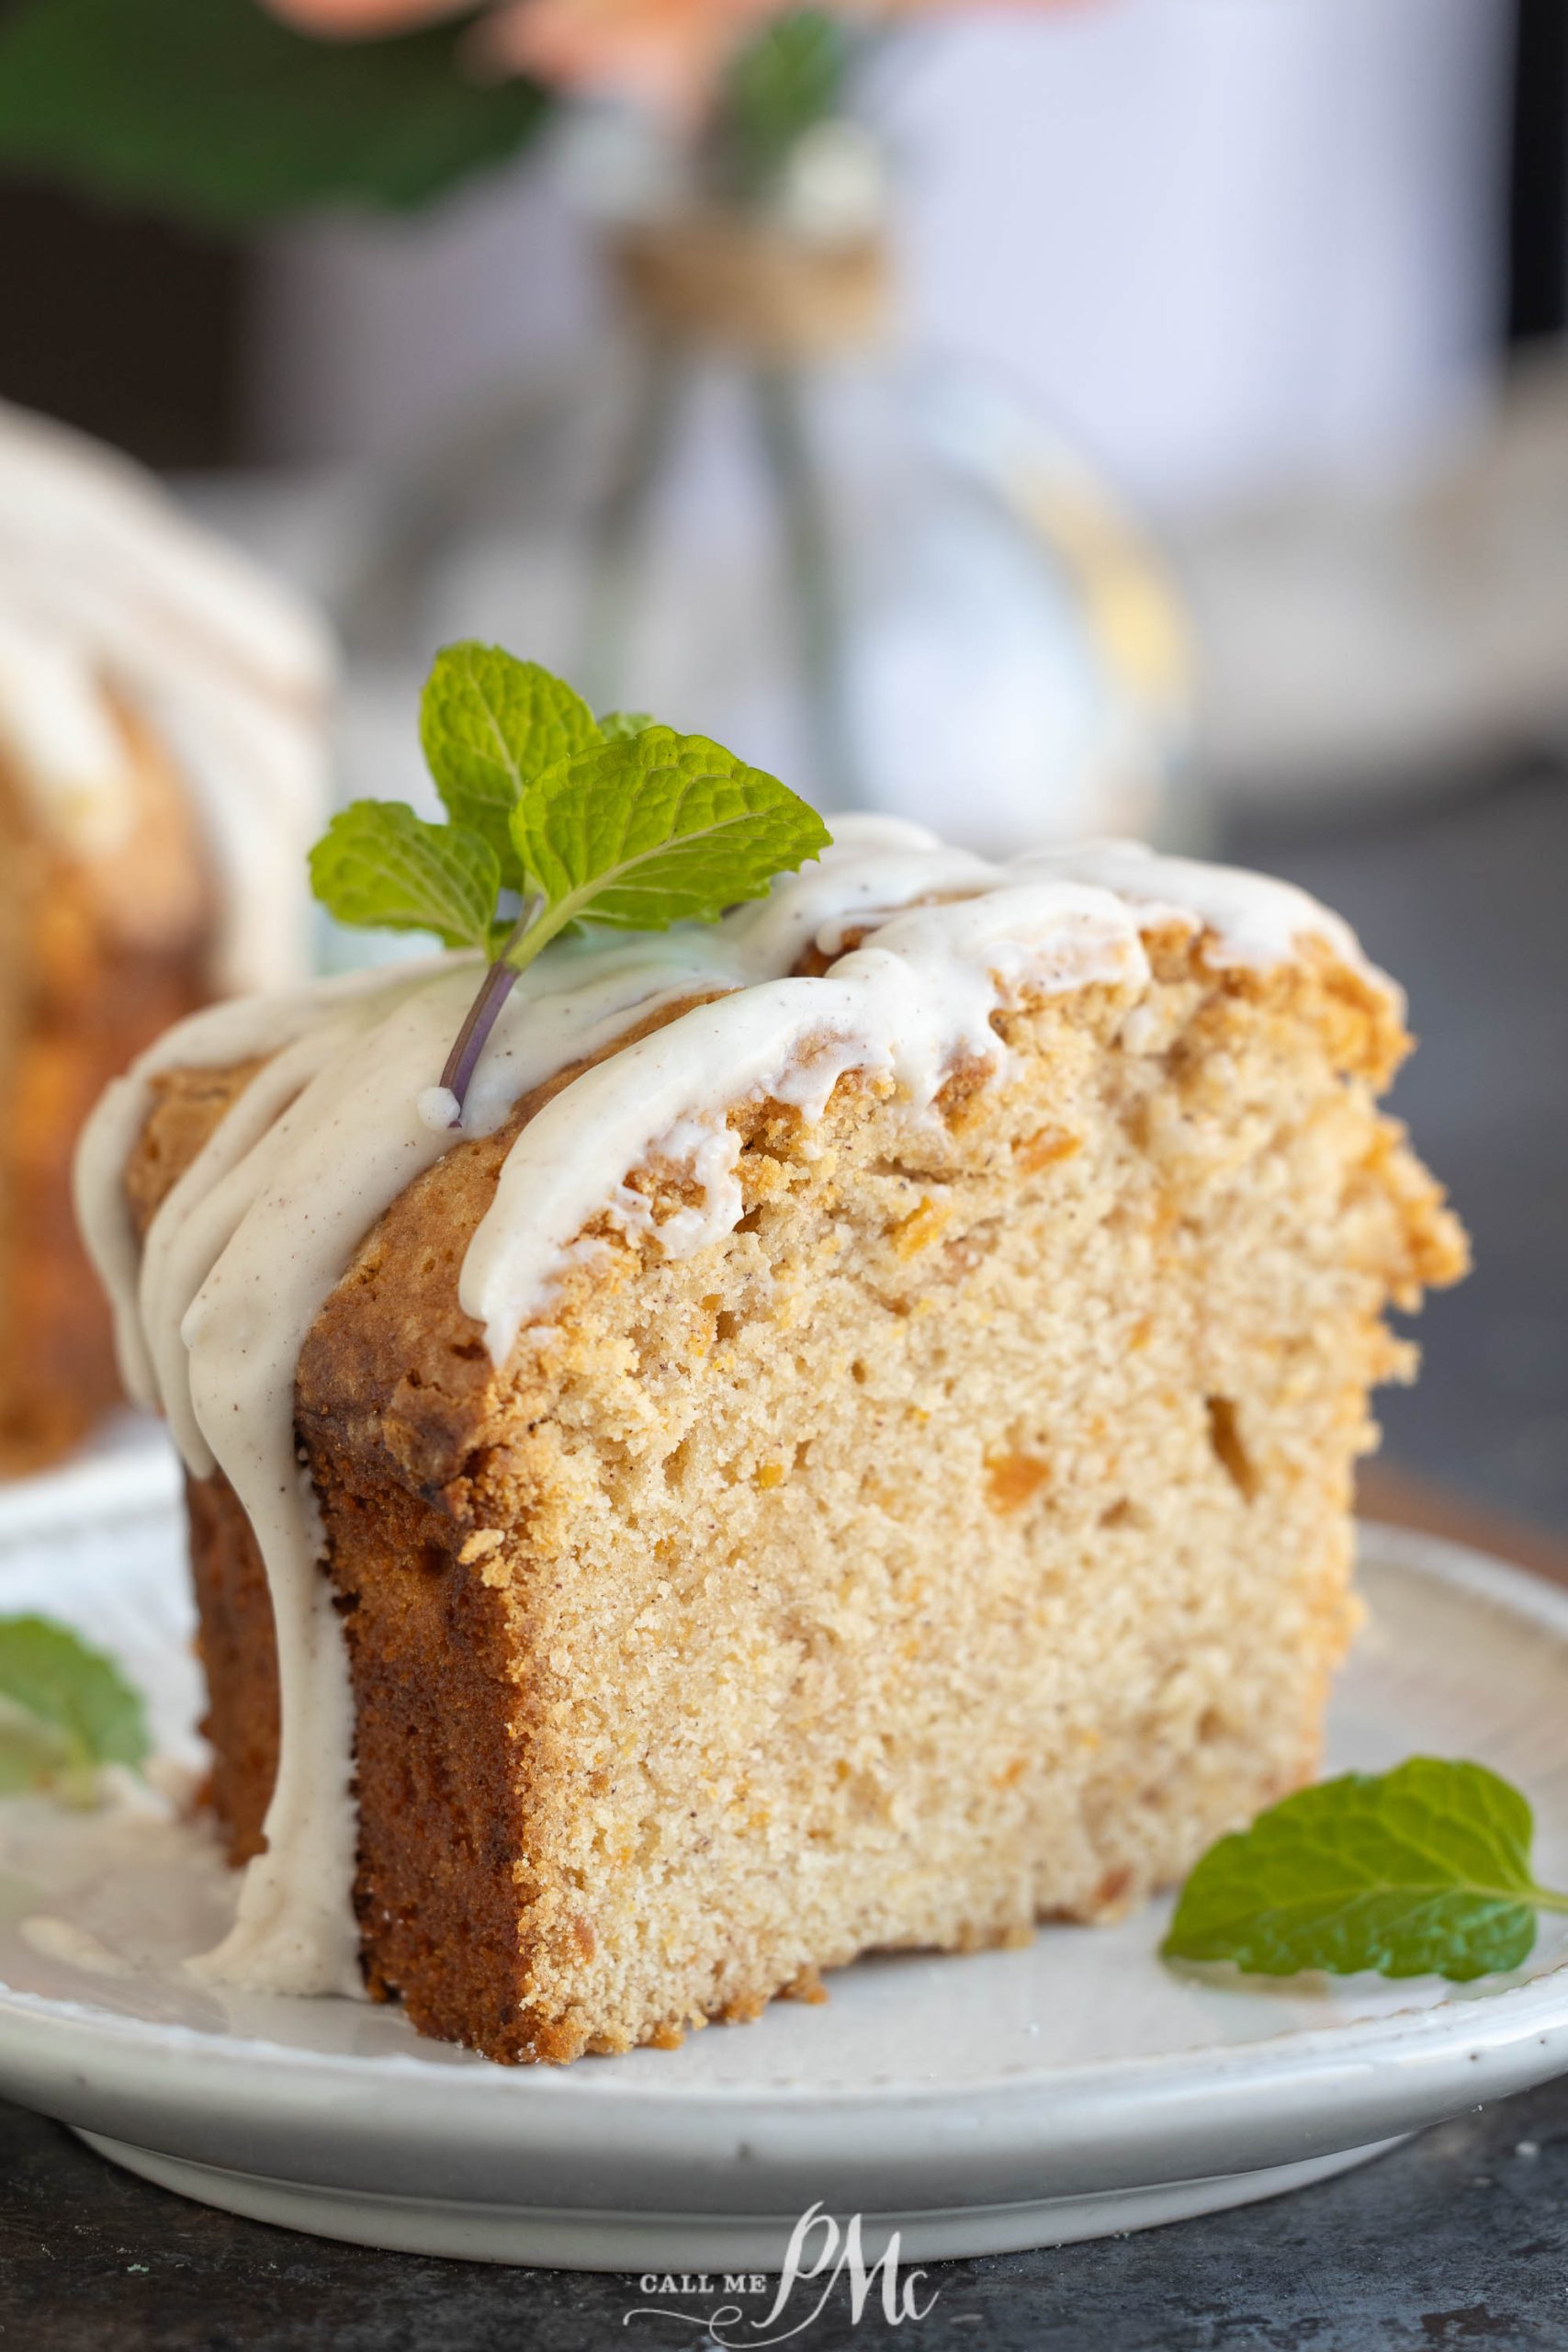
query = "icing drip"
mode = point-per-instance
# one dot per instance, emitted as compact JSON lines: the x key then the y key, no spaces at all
{"x":213,"y":1311}
{"x":107,"y":590}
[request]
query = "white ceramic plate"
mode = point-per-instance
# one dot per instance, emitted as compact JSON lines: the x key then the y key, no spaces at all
{"x":1011,"y":2099}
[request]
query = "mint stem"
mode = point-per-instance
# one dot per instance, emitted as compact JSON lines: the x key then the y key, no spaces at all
{"x":1546,"y":1899}
{"x":534,"y":929}
{"x":481,"y":1019}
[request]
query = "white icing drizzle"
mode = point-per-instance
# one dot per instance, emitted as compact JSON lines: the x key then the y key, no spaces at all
{"x":1251,"y":915}
{"x":106,"y":589}
{"x":212,"y":1313}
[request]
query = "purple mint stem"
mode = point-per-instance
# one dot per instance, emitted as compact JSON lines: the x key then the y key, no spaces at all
{"x":470,"y":1040}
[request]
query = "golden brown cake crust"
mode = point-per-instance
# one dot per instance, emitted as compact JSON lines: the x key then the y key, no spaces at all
{"x":638,"y":1744}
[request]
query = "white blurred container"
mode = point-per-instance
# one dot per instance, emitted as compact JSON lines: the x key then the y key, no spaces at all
{"x":1224,"y":243}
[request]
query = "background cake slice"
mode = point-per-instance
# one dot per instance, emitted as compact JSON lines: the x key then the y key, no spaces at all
{"x":857,"y":1454}
{"x":161,"y":772}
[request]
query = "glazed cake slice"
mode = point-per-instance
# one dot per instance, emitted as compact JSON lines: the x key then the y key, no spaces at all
{"x":161,"y":755}
{"x":854,"y":1452}
{"x":101,"y":947}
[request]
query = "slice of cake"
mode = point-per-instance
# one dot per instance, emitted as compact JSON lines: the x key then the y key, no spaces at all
{"x":850,"y":1448}
{"x":160,"y":781}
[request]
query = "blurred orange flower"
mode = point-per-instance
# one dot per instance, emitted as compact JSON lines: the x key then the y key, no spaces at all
{"x":667,"y":52}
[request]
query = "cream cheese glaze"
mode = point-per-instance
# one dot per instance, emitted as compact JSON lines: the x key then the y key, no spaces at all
{"x":213,"y":1311}
{"x":107,"y":590}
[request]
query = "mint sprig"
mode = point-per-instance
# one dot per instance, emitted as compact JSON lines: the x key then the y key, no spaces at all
{"x":554,"y":818}
{"x":1422,"y":1871}
{"x":64,"y":1710}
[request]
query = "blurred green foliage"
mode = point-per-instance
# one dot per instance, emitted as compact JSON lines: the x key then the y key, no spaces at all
{"x":214,"y":113}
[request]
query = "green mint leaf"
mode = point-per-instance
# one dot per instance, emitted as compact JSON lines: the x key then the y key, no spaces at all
{"x":80,"y":1705}
{"x":215,"y":112}
{"x":615,"y":725}
{"x":657,"y":827}
{"x":1422,"y":1871}
{"x":489,"y":726}
{"x":381,"y":867}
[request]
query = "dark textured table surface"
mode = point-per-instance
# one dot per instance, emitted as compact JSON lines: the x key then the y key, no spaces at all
{"x":1460,"y":2238}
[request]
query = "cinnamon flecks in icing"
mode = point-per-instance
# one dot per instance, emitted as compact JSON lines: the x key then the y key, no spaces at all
{"x":214,"y":1310}
{"x":107,"y":592}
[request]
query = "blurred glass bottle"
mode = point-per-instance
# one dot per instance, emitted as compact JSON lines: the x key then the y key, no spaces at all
{"x":746,"y":511}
